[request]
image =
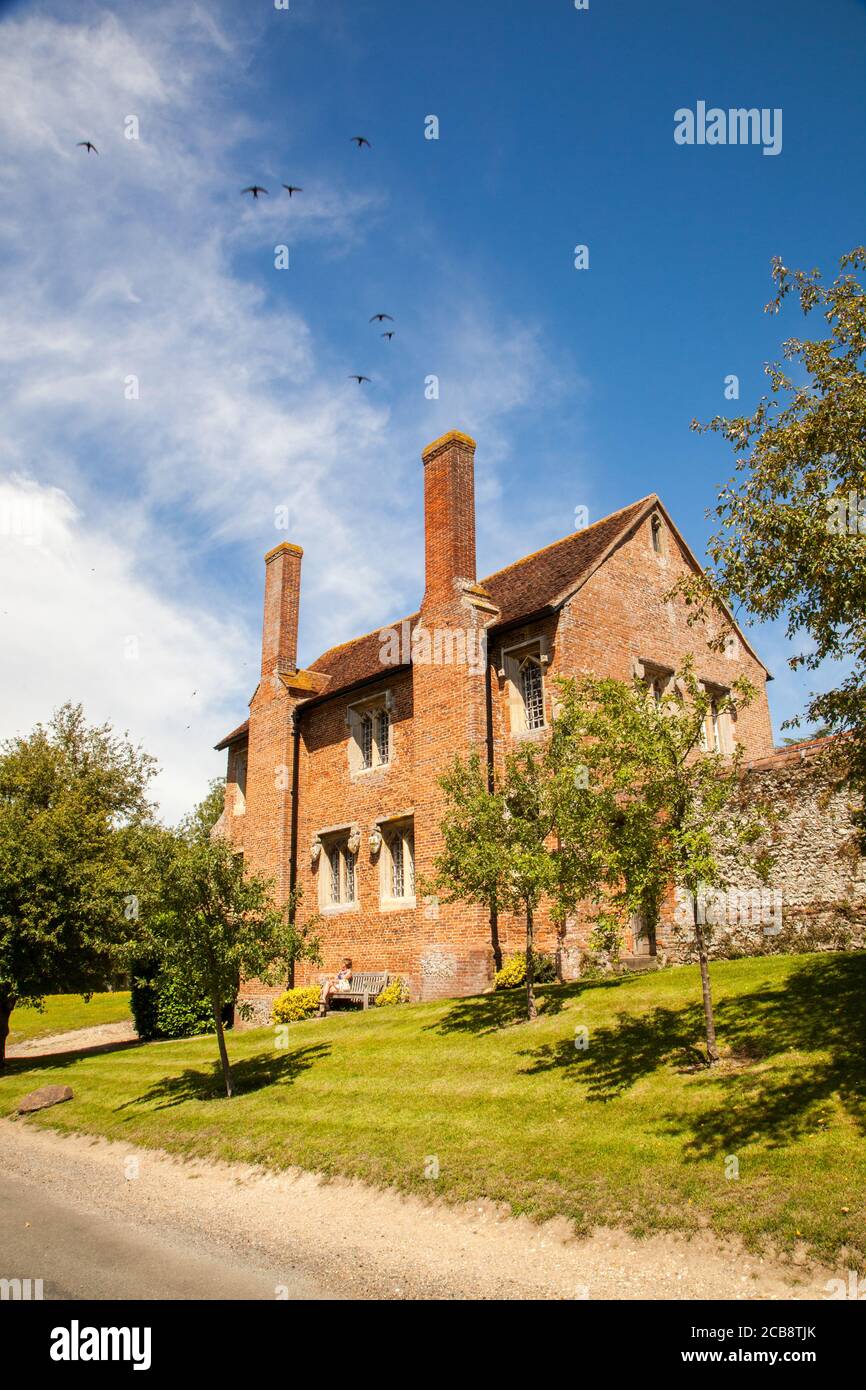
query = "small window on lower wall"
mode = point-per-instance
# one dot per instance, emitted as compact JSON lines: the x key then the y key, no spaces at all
{"x":338,"y":874}
{"x":397,"y":864}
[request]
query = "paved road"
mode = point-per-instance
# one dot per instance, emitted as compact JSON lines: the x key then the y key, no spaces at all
{"x":80,"y":1253}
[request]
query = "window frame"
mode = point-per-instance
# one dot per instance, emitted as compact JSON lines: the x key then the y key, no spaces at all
{"x":514,"y":662}
{"x":340,"y":867}
{"x":367,"y":719}
{"x":397,"y":832}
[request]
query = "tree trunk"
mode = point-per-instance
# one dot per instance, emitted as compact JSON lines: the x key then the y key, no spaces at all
{"x":712,"y":1049}
{"x":7,"y":1004}
{"x":531,"y":1010}
{"x":221,"y":1041}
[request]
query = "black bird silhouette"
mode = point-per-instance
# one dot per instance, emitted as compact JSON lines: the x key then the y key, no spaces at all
{"x":380,"y":318}
{"x":353,"y":376}
{"x":360,"y":140}
{"x":87,"y":145}
{"x":292,"y":188}
{"x":255,"y":189}
{"x":389,"y":335}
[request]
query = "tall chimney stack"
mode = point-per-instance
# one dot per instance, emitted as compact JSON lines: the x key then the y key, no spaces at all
{"x":449,"y":513}
{"x":282,"y":603}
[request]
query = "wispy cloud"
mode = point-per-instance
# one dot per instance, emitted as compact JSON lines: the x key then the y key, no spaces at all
{"x":164,"y":404}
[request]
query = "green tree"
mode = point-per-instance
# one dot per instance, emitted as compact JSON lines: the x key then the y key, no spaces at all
{"x":495,"y":835}
{"x":74,"y":817}
{"x":639,"y":804}
{"x":210,"y":924}
{"x":792,"y":521}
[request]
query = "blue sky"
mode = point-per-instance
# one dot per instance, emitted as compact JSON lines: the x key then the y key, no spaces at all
{"x":134,"y":579}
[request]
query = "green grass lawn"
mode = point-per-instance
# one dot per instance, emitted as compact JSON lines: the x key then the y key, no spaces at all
{"x":63,"y":1012}
{"x":633,"y":1131}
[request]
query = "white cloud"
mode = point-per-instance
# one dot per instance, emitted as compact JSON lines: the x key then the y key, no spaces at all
{"x":76,"y":623}
{"x":125,"y":265}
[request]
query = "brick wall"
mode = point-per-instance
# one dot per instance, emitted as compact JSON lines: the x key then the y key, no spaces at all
{"x":616,"y":620}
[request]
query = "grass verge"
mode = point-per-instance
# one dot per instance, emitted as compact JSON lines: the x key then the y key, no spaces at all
{"x":632,"y":1131}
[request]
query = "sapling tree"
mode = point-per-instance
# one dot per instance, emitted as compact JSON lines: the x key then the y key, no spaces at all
{"x":496,"y":835}
{"x":211,"y":924}
{"x":641,"y":802}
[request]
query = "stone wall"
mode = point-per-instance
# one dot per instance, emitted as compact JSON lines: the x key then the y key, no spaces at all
{"x":815,"y":899}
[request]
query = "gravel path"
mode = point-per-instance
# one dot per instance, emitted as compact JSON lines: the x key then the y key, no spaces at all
{"x":196,"y":1229}
{"x":78,"y":1040}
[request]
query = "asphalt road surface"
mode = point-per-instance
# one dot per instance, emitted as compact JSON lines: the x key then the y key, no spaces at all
{"x":80,"y":1254}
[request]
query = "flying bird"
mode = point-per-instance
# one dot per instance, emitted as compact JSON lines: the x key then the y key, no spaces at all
{"x":360,"y":140}
{"x":388,"y":335}
{"x":353,"y":376}
{"x":380,"y":318}
{"x":292,"y":188}
{"x":88,"y":145}
{"x":255,"y":189}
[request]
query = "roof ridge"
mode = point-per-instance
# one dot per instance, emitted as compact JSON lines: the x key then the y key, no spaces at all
{"x":338,"y":647}
{"x":534,"y":554}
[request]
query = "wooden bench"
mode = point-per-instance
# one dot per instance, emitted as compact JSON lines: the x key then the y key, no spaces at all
{"x":366,"y":985}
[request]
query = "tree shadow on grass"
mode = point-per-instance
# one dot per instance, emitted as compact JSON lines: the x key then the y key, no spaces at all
{"x":818,"y":1011}
{"x":487,"y":1013}
{"x":53,"y":1061}
{"x":249,"y":1074}
{"x":618,"y":1055}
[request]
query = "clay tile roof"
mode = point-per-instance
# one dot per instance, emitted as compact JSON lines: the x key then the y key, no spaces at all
{"x":549,"y":575}
{"x":236,"y":734}
{"x":358,"y":660}
{"x":538,"y":581}
{"x":806,"y":749}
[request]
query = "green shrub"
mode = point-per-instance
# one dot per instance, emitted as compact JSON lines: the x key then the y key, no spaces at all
{"x":513,"y":972}
{"x":163,"y":1007}
{"x":296,"y":1004}
{"x":395,"y":992}
{"x":180,"y":1014}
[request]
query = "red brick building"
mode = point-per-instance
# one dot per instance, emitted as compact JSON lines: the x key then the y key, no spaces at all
{"x":332,"y":782}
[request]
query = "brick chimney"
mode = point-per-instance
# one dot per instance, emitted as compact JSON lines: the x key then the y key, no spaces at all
{"x":449,"y":513}
{"x":282,"y":602}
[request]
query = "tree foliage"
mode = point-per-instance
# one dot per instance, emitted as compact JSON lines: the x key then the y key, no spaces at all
{"x":639,"y":805}
{"x":791,"y":537}
{"x":210,"y":924}
{"x":495,"y":833}
{"x":74,"y":817}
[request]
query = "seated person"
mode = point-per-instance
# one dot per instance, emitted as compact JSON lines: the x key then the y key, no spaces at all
{"x":341,"y":984}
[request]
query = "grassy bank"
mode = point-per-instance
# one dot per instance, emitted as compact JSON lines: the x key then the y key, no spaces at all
{"x":633,"y":1131}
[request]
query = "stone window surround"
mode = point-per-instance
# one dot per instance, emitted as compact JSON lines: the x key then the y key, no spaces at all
{"x":373,"y":705}
{"x":659,"y":538}
{"x":655,"y":675}
{"x":402,"y":824}
{"x":718,"y":725}
{"x":511,"y":658}
{"x":329,"y":837}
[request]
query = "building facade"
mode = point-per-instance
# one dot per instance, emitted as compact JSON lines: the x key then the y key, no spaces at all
{"x":332,"y":783}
